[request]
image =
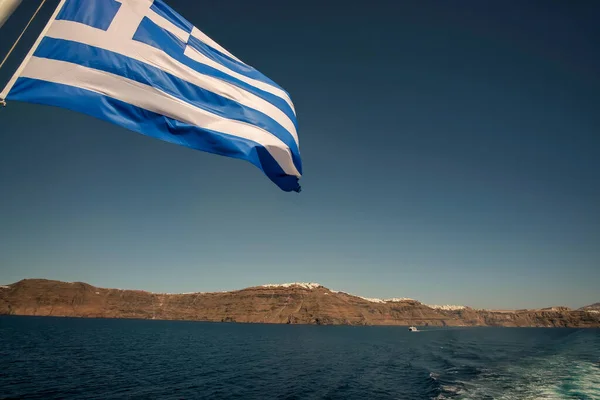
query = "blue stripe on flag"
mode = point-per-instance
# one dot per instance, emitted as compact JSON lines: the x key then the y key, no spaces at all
{"x":104,"y":60}
{"x":229,"y":62}
{"x":150,"y":33}
{"x":170,"y":15}
{"x":96,"y":13}
{"x":151,"y":124}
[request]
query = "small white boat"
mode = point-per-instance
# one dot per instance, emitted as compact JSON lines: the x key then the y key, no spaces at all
{"x":413,"y":329}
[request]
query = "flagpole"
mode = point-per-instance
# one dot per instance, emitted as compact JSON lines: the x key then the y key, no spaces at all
{"x":13,"y":79}
{"x":7,"y":8}
{"x":22,"y":32}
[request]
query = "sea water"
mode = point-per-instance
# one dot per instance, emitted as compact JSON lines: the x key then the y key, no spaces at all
{"x":69,"y":358}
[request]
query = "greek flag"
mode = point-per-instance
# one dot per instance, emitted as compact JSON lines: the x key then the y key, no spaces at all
{"x":140,"y":65}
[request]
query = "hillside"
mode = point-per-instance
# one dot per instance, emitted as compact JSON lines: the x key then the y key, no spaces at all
{"x":591,"y":307}
{"x":282,"y":304}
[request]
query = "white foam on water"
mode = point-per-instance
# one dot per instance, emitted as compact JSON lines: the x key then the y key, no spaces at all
{"x":566,"y":379}
{"x":584,"y":380}
{"x":552,"y":378}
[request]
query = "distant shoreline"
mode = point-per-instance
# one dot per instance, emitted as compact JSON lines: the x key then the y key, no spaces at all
{"x":295,"y":303}
{"x":427,"y":328}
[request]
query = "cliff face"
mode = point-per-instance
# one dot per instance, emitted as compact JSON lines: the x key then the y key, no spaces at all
{"x":294,"y":304}
{"x":591,"y":307}
{"x":531,"y":318}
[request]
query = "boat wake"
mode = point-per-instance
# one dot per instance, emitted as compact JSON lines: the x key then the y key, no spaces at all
{"x":555,"y":378}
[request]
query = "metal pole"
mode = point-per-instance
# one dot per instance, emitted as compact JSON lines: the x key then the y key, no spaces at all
{"x":7,"y":7}
{"x":12,"y":80}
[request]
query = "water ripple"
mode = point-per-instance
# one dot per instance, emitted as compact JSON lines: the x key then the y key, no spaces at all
{"x":54,"y":358}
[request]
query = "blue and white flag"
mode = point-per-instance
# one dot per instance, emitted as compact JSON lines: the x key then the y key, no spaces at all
{"x":140,"y":65}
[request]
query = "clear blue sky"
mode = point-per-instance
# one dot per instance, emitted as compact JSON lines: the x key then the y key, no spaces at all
{"x":451,"y":153}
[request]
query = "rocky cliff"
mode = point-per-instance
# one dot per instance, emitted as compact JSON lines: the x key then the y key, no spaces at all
{"x":591,"y":307}
{"x":283,"y":304}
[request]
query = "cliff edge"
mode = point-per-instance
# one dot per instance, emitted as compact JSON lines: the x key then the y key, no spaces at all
{"x":295,"y":303}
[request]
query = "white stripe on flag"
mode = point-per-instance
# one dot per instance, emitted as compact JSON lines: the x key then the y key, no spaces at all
{"x":168,"y":26}
{"x":201,"y":58}
{"x":80,"y":33}
{"x":127,"y":20}
{"x":154,"y":100}
{"x":203,"y":37}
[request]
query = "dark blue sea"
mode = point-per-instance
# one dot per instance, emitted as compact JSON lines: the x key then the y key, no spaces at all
{"x":65,"y":358}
